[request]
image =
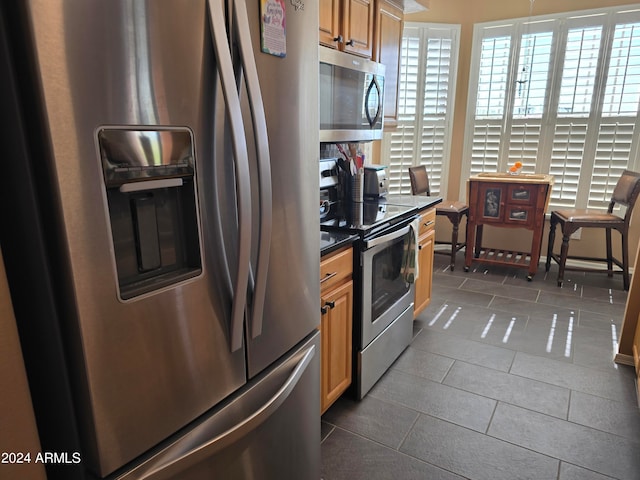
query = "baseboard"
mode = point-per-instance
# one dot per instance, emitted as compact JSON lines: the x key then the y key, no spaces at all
{"x":624,"y":359}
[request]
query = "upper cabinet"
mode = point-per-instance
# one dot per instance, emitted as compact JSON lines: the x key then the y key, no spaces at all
{"x":388,"y":40}
{"x":348,"y":25}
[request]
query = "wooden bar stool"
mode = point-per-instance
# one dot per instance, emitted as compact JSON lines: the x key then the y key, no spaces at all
{"x":625,"y":193}
{"x":452,"y":209}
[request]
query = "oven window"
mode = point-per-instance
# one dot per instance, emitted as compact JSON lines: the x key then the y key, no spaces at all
{"x":388,"y":285}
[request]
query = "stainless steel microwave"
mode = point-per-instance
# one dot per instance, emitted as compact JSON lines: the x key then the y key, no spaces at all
{"x":351,"y":97}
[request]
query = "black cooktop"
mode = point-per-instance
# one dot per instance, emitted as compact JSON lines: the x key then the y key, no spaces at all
{"x":366,"y":217}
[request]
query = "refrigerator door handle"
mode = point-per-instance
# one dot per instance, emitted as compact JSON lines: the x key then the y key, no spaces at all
{"x":264,"y":164}
{"x":190,"y":449}
{"x":241,"y":159}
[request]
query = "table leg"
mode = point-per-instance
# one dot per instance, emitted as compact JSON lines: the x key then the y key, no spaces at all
{"x":468,"y":251}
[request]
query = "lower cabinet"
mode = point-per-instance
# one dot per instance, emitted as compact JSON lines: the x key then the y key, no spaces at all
{"x":336,"y":294}
{"x":426,"y":244}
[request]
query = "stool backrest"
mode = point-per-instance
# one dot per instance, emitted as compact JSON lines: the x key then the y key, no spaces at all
{"x":419,"y":180}
{"x":626,"y":192}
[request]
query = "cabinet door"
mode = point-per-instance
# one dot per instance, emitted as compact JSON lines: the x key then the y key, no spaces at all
{"x":387,"y":52}
{"x":335,"y":328}
{"x":358,"y":17}
{"x":329,"y":22}
{"x":490,"y":202}
{"x":425,"y":271}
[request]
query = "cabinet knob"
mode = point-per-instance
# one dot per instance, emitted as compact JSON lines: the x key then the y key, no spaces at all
{"x":323,"y":310}
{"x":338,"y":39}
{"x":330,"y":304}
{"x":350,"y":43}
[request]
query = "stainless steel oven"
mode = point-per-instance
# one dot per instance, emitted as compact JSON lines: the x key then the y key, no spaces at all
{"x":386,"y":320}
{"x":383,"y":301}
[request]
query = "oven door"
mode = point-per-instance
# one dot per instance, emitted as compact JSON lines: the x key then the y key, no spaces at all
{"x":385,"y":294}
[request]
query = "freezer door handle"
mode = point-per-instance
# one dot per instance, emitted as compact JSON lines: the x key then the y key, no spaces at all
{"x":194,"y":448}
{"x":259,"y":120}
{"x":241,"y":159}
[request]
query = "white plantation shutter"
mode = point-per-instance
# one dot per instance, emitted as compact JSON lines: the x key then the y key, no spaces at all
{"x":427,"y":78}
{"x":616,"y":144}
{"x":486,"y":147}
{"x":613,"y":150}
{"x":623,"y":79}
{"x":569,"y":140}
{"x":524,"y":142}
{"x":569,"y":105}
{"x":402,"y":142}
{"x":570,"y":136}
{"x":437,"y":76}
{"x":433,"y":149}
{"x":409,"y":71}
{"x":490,"y":103}
{"x":532,"y":75}
{"x":400,"y":159}
{"x":529,"y":97}
{"x":579,"y":71}
{"x":492,"y":81}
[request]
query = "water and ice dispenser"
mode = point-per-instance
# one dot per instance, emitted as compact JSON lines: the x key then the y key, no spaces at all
{"x":151,"y":194}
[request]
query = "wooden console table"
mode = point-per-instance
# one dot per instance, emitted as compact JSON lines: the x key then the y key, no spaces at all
{"x":509,"y":201}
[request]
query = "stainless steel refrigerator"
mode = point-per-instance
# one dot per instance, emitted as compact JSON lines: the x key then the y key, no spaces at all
{"x":160,"y":230}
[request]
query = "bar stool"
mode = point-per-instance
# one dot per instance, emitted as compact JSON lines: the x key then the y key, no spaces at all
{"x":625,"y":193}
{"x":452,"y":209}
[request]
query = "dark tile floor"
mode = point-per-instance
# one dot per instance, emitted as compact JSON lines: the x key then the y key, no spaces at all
{"x":505,"y":379}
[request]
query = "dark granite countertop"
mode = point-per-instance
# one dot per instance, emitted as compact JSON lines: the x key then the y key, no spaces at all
{"x":421,"y":202}
{"x":331,"y":241}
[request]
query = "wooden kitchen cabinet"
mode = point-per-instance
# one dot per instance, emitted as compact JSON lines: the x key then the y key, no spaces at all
{"x":388,"y":40}
{"x":348,"y":25}
{"x":336,"y":293}
{"x":508,"y":201}
{"x":426,"y":244}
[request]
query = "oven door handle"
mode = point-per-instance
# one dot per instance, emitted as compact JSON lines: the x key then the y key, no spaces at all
{"x":387,"y":237}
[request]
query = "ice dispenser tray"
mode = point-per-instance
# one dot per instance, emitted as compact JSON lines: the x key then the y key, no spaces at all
{"x":149,"y":176}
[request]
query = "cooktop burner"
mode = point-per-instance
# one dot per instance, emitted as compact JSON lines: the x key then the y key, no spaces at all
{"x":365,"y":217}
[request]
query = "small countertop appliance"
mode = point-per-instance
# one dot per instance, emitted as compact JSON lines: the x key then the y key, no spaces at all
{"x":375,"y":181}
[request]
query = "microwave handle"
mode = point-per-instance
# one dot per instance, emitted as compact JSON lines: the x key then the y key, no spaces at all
{"x":372,"y":85}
